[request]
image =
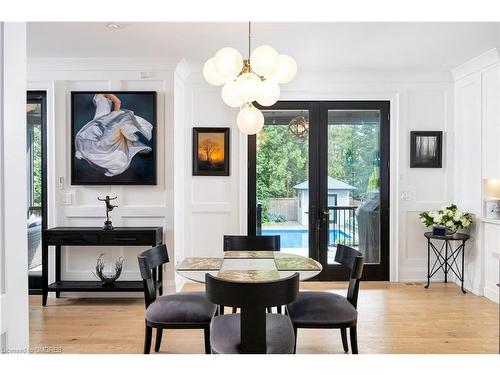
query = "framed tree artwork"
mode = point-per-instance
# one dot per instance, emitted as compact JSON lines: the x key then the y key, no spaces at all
{"x":426,"y":149}
{"x":113,"y":138}
{"x":210,"y":151}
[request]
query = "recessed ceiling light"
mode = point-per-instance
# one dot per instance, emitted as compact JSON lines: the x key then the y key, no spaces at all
{"x":113,"y":26}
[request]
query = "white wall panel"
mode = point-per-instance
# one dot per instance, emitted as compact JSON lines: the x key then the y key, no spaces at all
{"x":207,"y":231}
{"x":468,"y":171}
{"x":491,"y":122}
{"x":14,"y":327}
{"x":137,"y":205}
{"x":211,"y":189}
{"x":492,"y":260}
{"x":209,"y":207}
{"x":424,"y":105}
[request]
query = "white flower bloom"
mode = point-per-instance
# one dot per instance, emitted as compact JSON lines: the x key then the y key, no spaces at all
{"x":450,"y":224}
{"x":437,"y":218}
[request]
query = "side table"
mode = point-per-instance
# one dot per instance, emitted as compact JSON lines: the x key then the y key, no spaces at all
{"x":447,"y":255}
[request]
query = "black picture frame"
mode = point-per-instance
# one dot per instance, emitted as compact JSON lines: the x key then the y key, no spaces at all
{"x":200,"y":168}
{"x":143,"y":173}
{"x":428,"y":154}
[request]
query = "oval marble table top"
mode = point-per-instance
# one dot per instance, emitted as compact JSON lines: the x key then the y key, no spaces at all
{"x":249,"y":266}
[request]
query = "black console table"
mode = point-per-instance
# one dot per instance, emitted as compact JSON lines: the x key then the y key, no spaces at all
{"x":446,"y":256}
{"x":89,"y":236}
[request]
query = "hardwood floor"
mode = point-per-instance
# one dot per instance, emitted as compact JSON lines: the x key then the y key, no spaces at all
{"x":393,"y":318}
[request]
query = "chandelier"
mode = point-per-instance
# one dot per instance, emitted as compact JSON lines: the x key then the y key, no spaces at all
{"x":254,"y":79}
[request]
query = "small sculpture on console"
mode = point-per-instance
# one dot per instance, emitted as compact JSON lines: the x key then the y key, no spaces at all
{"x":108,"y":280}
{"x":108,"y":225}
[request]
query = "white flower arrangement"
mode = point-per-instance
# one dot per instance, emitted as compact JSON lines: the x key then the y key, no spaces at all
{"x":449,"y":216}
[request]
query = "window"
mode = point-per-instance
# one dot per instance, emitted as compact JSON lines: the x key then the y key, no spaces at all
{"x":332,"y":200}
{"x":34,"y":157}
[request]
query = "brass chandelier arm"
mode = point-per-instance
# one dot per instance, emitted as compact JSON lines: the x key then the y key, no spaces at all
{"x":247,"y":68}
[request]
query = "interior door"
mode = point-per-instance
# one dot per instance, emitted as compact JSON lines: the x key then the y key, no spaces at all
{"x":353,"y":185}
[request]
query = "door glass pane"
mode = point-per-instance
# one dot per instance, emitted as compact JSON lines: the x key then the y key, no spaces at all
{"x":282,"y":173}
{"x":353,"y":176}
{"x":34,"y":185}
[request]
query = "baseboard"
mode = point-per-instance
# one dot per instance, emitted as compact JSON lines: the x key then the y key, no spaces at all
{"x":492,"y":294}
{"x":418,"y":274}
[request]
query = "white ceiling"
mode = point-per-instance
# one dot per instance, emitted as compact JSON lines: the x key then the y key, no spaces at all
{"x":315,"y":46}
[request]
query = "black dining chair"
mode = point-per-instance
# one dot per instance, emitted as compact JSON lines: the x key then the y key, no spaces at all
{"x":251,"y":243}
{"x":186,"y":310}
{"x":330,"y":310}
{"x":253,"y":331}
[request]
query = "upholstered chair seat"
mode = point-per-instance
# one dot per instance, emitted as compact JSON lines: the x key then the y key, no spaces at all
{"x":322,"y":308}
{"x":181,"y":308}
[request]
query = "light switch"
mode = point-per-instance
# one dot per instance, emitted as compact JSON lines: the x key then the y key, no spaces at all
{"x":407,"y":196}
{"x":67,"y":199}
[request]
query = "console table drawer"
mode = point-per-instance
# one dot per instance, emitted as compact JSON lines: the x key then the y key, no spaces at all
{"x":61,"y":238}
{"x":130,"y":239}
{"x":85,"y":236}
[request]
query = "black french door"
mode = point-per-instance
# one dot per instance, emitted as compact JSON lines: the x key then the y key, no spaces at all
{"x":318,"y":175}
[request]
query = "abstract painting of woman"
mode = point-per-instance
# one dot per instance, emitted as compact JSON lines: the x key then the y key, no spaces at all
{"x":111,"y":141}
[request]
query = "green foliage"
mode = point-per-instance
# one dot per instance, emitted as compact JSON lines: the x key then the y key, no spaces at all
{"x":282,"y":161}
{"x":353,"y":156}
{"x":374,"y":181}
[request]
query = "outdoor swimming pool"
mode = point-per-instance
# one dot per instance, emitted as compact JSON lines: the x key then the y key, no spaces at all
{"x":299,"y":238}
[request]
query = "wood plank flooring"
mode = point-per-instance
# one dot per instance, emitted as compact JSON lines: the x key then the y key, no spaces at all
{"x":393,"y":318}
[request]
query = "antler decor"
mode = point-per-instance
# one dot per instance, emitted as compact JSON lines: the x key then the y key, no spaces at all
{"x":99,"y":267}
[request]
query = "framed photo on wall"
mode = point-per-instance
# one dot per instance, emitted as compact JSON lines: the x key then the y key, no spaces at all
{"x":426,"y":149}
{"x":210,"y":151}
{"x":113,"y":137}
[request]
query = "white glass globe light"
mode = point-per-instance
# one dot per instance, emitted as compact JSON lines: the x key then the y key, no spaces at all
{"x":287,"y":68}
{"x":264,"y":60}
{"x":248,"y":87}
{"x":229,"y":95}
{"x":211,"y":75}
{"x":228,"y":62}
{"x":250,"y":120}
{"x":269,"y":93}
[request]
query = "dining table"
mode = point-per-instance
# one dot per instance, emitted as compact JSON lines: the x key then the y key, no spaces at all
{"x":249,"y":266}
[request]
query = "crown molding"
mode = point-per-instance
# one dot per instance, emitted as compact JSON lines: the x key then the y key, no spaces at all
{"x":477,"y":63}
{"x":93,"y":64}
